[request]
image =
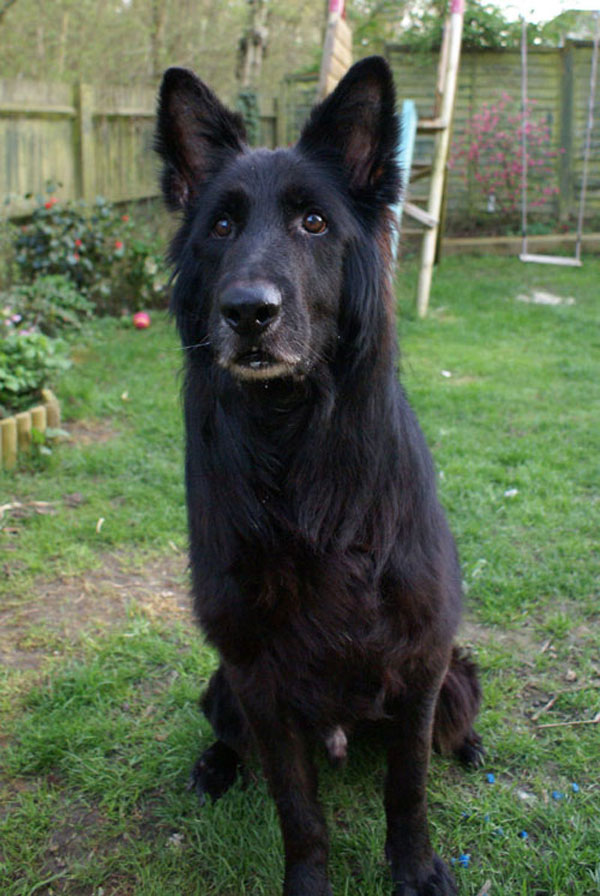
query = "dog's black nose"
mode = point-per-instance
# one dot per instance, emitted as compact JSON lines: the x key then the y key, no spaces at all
{"x":250,"y":309}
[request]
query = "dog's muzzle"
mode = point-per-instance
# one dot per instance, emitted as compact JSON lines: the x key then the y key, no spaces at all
{"x":250,"y":316}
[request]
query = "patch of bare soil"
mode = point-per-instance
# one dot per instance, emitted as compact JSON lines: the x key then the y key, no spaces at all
{"x":63,"y":610}
{"x":88,"y":432}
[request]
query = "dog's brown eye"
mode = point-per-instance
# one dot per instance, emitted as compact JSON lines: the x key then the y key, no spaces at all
{"x":223,"y":227}
{"x":313,"y":222}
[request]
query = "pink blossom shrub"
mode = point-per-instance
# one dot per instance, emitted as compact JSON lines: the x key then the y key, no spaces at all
{"x":489,"y":154}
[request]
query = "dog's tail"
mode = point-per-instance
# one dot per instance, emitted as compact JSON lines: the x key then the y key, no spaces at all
{"x":457,"y":706}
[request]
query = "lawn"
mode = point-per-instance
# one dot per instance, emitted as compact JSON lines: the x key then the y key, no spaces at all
{"x":102,"y":669}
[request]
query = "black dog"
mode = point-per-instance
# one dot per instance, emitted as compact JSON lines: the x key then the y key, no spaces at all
{"x":323,"y":569}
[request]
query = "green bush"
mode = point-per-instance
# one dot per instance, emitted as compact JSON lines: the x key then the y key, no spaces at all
{"x":51,"y":303}
{"x":29,"y":361}
{"x":98,"y":248}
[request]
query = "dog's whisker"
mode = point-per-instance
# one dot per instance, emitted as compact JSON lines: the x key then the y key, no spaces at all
{"x":205,"y":343}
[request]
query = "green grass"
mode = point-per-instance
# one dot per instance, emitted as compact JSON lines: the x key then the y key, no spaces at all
{"x":100,"y":735}
{"x":122,"y":401}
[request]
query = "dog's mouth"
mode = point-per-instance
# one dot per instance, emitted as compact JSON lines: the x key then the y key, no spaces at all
{"x":255,"y":359}
{"x":259,"y":364}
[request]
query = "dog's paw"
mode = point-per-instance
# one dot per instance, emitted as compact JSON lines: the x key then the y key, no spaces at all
{"x":214,"y":772}
{"x":304,"y":879}
{"x":471,"y":752}
{"x":437,"y":882}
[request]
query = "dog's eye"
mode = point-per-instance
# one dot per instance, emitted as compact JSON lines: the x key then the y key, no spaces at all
{"x":223,"y":227}
{"x":313,"y":222}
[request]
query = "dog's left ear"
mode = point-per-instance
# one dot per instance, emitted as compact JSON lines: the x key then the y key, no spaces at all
{"x":195,"y":135}
{"x":357,"y":125}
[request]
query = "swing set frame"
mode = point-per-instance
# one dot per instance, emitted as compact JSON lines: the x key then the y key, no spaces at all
{"x":557,"y":259}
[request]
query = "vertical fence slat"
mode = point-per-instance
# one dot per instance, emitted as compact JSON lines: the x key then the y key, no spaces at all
{"x":84,"y":141}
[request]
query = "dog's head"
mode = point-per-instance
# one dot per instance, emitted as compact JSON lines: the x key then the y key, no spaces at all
{"x":277,"y":249}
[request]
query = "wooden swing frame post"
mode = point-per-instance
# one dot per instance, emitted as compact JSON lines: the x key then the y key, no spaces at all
{"x":564,"y":260}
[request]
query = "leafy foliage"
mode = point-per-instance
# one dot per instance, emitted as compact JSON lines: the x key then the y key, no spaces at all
{"x":485,"y":26}
{"x":29,"y":360}
{"x":248,"y":106}
{"x":71,"y":259}
{"x":134,"y":42}
{"x":489,"y":152}
{"x":95,"y":247}
{"x":51,"y":303}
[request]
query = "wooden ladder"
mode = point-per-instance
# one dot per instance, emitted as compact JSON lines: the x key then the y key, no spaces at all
{"x":440,"y":127}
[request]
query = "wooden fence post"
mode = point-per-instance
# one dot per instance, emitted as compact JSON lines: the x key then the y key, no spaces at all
{"x":281,"y":111}
{"x":565,"y":195}
{"x":23,"y":421}
{"x":52,"y":409}
{"x":8,"y":430}
{"x":39,"y":418}
{"x":84,"y":141}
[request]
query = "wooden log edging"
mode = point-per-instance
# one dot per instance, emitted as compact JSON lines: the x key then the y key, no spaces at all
{"x":16,"y":431}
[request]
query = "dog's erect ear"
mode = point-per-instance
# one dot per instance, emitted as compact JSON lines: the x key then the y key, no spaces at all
{"x":195,"y":134}
{"x":357,"y":125}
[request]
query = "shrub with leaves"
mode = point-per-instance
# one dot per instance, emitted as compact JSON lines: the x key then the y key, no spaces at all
{"x":97,"y":248}
{"x":489,"y":153}
{"x":51,"y":303}
{"x":29,"y":361}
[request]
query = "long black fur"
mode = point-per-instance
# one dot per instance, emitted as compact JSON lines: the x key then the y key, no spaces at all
{"x":323,"y":569}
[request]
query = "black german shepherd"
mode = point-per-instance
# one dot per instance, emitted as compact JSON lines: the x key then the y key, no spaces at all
{"x":323,"y":568}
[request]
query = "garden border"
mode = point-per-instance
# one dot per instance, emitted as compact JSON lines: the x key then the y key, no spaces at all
{"x":508,"y":245}
{"x":16,"y":431}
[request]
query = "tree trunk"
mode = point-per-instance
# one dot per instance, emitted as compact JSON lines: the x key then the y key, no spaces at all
{"x":253,"y":45}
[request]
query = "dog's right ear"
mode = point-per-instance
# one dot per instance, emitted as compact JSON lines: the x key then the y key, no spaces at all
{"x":195,"y":135}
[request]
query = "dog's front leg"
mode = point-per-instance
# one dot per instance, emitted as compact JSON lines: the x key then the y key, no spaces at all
{"x":292,"y":778}
{"x":416,"y":869}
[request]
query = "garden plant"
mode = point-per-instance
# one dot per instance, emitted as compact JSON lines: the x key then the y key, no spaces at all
{"x":490,"y":159}
{"x":72,"y":260}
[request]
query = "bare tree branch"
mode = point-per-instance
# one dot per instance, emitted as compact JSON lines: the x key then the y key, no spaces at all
{"x":5,"y":7}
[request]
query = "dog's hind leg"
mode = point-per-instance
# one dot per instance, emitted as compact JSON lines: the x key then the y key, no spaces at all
{"x":217,"y":768}
{"x":457,"y":706}
{"x":416,"y":869}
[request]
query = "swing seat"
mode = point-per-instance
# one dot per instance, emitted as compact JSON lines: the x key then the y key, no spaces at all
{"x":551,"y":259}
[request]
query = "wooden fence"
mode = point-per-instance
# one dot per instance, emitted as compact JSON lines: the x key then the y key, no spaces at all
{"x":98,"y":140}
{"x":88,"y":140}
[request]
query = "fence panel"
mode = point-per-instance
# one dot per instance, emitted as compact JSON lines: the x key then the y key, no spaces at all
{"x":98,"y":140}
{"x":37,"y":133}
{"x":558,"y":85}
{"x":86,"y":140}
